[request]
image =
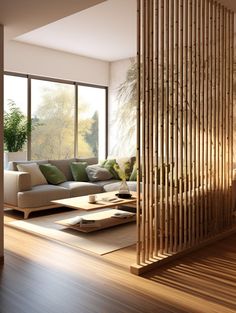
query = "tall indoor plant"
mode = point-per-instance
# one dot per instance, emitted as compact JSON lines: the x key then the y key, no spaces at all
{"x":16,"y":131}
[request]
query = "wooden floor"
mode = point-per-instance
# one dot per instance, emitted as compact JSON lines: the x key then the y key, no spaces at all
{"x":41,"y":276}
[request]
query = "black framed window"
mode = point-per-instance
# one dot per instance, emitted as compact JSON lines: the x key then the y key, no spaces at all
{"x":70,"y":117}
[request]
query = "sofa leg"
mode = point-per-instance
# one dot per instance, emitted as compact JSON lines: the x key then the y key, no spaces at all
{"x":26,"y":214}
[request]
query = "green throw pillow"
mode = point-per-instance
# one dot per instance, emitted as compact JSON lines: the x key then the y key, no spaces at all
{"x":125,"y":173}
{"x":52,"y":174}
{"x":109,"y":165}
{"x":78,"y":170}
{"x":133,"y":176}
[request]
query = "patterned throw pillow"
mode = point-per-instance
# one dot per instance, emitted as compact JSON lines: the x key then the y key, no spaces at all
{"x":109,"y":165}
{"x":125,"y":172}
{"x":133,"y":176}
{"x":124,"y":168}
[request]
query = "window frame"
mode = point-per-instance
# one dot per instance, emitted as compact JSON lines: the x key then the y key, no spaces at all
{"x":29,"y":78}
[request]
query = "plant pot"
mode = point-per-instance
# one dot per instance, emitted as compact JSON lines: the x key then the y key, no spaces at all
{"x":14,"y":156}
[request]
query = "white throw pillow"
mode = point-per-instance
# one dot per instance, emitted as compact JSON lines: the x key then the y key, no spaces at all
{"x":36,"y":175}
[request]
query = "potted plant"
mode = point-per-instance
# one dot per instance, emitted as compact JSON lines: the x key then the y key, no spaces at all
{"x":16,"y":131}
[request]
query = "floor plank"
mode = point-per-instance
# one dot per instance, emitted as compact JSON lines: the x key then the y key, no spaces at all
{"x":43,"y":276}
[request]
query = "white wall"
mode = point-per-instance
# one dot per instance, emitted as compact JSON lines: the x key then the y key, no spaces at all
{"x":121,"y":121}
{"x":35,"y":60}
{"x":1,"y":142}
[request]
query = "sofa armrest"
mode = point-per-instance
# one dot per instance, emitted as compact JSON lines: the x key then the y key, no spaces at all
{"x":14,"y":182}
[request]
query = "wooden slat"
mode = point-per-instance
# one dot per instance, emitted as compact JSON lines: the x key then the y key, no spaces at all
{"x":190,"y":126}
{"x":139,"y":97}
{"x":166,"y":126}
{"x":181,"y":99}
{"x":150,"y":122}
{"x":185,"y":121}
{"x":206,"y":121}
{"x":171,"y":100}
{"x":156,"y":124}
{"x":194,"y":132}
{"x":176,"y":124}
{"x":143,"y":114}
{"x":162,"y":108}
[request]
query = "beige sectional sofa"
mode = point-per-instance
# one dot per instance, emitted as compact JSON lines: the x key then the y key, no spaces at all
{"x":19,"y":193}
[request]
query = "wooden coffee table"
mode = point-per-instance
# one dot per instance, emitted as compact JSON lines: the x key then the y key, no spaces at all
{"x":100,"y":218}
{"x":81,"y":203}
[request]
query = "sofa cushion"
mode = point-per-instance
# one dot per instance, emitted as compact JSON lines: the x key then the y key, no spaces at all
{"x":64,"y":166}
{"x":102,"y":183}
{"x":123,"y":167}
{"x":52,"y":174}
{"x":12,"y":166}
{"x":115,"y":186}
{"x":41,"y":195}
{"x":133,"y":176}
{"x":78,"y":170}
{"x":36,"y":175}
{"x":89,"y":161}
{"x":81,"y":188}
{"x":97,"y":173}
{"x":109,"y":165}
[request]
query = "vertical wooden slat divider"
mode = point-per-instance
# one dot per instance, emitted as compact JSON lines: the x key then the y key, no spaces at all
{"x":184,"y":126}
{"x":176,"y":126}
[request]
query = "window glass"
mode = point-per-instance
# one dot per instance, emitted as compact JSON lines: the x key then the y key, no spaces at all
{"x":91,"y":121}
{"x":53,"y":109}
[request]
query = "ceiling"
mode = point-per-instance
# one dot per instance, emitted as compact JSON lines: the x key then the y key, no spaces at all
{"x":101,"y":29}
{"x":106,"y":31}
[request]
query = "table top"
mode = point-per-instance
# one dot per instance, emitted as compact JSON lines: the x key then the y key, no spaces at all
{"x":103,"y":201}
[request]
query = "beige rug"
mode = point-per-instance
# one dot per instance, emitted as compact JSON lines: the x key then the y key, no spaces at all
{"x":100,"y":242}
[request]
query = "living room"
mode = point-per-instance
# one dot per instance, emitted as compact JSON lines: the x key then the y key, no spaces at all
{"x":99,"y":76}
{"x":63,"y":103}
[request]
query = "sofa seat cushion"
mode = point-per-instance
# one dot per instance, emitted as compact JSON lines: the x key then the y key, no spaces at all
{"x":41,"y":195}
{"x":81,"y":188}
{"x":115,"y":186}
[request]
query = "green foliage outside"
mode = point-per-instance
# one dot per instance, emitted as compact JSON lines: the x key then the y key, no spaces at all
{"x":16,"y":128}
{"x":54,"y":138}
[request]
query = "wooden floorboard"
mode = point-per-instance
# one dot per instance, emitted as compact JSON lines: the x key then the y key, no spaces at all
{"x":41,"y":276}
